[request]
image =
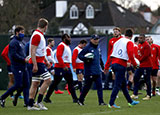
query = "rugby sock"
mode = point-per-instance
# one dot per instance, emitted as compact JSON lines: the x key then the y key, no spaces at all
{"x":31,"y":101}
{"x":130,"y":84}
{"x":40,"y":97}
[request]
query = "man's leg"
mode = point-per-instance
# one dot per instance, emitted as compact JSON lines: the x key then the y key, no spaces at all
{"x":137,"y":76}
{"x":98,"y":81}
{"x":69,"y":78}
{"x":87,"y":86}
{"x":32,"y":92}
{"x":147,"y":78}
{"x":119,"y":74}
{"x":54,"y":84}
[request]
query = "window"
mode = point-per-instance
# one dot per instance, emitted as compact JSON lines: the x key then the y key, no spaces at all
{"x":74,"y":12}
{"x":89,"y":12}
{"x":80,"y":29}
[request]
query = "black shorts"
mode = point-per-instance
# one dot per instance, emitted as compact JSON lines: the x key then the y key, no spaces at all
{"x":42,"y":73}
{"x":51,"y":69}
{"x":154,"y":72}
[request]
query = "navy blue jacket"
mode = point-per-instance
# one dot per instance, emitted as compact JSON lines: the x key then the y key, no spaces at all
{"x":91,"y":66}
{"x":16,"y":52}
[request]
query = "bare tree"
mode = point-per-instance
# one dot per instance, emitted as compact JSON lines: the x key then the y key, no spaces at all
{"x":17,"y":12}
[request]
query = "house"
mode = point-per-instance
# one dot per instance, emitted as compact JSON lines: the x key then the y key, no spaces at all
{"x":79,"y":17}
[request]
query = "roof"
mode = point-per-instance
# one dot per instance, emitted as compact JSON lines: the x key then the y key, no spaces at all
{"x":107,"y":13}
{"x":111,"y":14}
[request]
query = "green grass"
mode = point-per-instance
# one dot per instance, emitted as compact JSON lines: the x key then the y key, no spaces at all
{"x":62,"y":105}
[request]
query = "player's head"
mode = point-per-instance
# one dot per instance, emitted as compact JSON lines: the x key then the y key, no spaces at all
{"x":136,"y":40}
{"x":43,"y":24}
{"x":66,"y":39}
{"x":129,"y":33}
{"x":149,"y":40}
{"x":116,"y":32}
{"x":19,"y":31}
{"x":83,"y":43}
{"x":141,"y":38}
{"x":50,"y":42}
{"x":95,"y":39}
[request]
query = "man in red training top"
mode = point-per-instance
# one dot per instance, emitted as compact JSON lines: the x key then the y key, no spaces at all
{"x":122,"y":52}
{"x":145,"y":68}
{"x":62,"y":67}
{"x":4,"y":54}
{"x":38,"y":57}
{"x":78,"y":65}
{"x":155,"y":62}
{"x":117,"y":36}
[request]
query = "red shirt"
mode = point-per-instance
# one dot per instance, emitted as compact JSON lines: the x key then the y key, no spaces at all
{"x":130,"y":52}
{"x":136,"y":51}
{"x":48,"y":51}
{"x":4,"y":54}
{"x":74,"y":57}
{"x":59,"y":53}
{"x":110,"y":49}
{"x":155,"y":56}
{"x":144,"y":54}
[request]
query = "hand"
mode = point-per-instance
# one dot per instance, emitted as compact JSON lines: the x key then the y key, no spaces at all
{"x":48,"y":64}
{"x":74,"y":70}
{"x":27,"y":59}
{"x":65,"y":68}
{"x":105,"y":71}
{"x":35,"y":68}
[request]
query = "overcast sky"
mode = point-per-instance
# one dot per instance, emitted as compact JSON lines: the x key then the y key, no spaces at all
{"x":153,"y":4}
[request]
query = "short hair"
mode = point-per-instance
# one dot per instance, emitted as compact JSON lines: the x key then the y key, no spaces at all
{"x":65,"y":36}
{"x":143,"y":35}
{"x":49,"y":40}
{"x":136,"y":39}
{"x":83,"y":41}
{"x":18,"y":29}
{"x":42,"y":23}
{"x":117,"y":28}
{"x":129,"y":32}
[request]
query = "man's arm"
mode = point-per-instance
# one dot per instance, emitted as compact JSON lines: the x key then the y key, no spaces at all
{"x":33,"y":57}
{"x":74,"y":57}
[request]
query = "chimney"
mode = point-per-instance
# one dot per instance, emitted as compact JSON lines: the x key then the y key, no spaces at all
{"x":61,"y":8}
{"x":147,"y":14}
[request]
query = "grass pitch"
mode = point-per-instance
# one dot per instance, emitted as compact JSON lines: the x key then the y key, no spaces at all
{"x":62,"y":105}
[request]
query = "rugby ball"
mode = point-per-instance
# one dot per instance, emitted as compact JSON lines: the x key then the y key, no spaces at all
{"x":137,"y":61}
{"x":89,"y":55}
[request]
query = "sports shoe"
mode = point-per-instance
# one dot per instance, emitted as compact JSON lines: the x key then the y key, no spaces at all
{"x":2,"y":102}
{"x":114,"y":106}
{"x":41,"y":106}
{"x":21,"y":97}
{"x":102,"y":104}
{"x":47,"y":100}
{"x":58,"y":92}
{"x":146,"y":98}
{"x":33,"y":108}
{"x":80,"y":103}
{"x":134,"y":96}
{"x":133,"y":103}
